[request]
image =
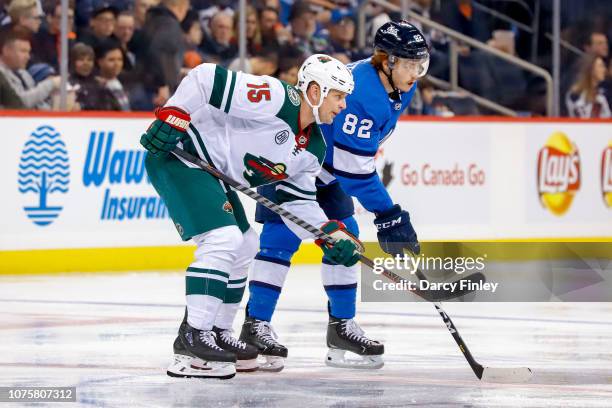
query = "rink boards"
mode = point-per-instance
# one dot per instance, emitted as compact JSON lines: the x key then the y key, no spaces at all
{"x":76,"y":195}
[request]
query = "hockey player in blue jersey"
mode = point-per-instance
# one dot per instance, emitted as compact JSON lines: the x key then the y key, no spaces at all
{"x":384,"y":85}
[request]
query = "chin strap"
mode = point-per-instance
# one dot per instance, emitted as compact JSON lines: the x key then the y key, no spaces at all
{"x":315,"y":108}
{"x":395,"y":94}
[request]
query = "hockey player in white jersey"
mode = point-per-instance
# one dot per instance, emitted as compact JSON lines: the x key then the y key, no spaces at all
{"x":257,"y":130}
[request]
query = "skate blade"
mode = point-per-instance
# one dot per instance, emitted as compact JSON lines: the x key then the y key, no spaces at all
{"x":337,"y":358}
{"x":247,"y":366}
{"x":242,"y":366}
{"x":187,"y":367}
{"x":271,"y":364}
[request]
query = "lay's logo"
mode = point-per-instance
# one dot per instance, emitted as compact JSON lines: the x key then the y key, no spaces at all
{"x":558,"y":173}
{"x":606,"y":175}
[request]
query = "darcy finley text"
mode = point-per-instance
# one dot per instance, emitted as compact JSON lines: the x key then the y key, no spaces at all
{"x":447,"y":286}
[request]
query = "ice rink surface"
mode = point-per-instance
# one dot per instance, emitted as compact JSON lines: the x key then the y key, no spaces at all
{"x":111,"y":337}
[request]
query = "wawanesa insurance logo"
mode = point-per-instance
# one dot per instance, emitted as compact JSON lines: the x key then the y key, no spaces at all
{"x":44,"y":175}
{"x":558,"y":175}
{"x":119,"y":174}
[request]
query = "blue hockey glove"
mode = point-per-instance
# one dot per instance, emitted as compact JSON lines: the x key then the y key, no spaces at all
{"x":347,"y":248}
{"x":165,"y":131}
{"x":395,"y":232}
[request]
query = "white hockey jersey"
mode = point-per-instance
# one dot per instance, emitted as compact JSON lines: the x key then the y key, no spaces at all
{"x":247,"y":126}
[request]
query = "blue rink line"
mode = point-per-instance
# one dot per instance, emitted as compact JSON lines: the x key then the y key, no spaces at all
{"x":182,"y":306}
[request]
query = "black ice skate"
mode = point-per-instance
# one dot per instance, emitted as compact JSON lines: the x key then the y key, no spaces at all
{"x":246,"y":354}
{"x":345,"y":335}
{"x":260,"y":334}
{"x":193,"y":345}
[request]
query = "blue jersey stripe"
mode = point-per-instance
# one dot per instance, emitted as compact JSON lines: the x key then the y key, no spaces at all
{"x":353,"y":150}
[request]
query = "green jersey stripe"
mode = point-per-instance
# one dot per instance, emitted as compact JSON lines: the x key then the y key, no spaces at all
{"x":216,"y":95}
{"x":207,"y":157}
{"x":235,"y":281}
{"x":293,"y":187}
{"x":228,"y":81}
{"x":285,"y":197}
{"x":203,"y":286}
{"x":230,"y":94}
{"x":233,"y":295}
{"x":208,"y":271}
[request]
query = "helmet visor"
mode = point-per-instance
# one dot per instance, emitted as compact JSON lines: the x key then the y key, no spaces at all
{"x":416,"y":67}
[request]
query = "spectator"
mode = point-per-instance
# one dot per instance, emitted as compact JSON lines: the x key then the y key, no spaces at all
{"x":597,"y":45}
{"x":303,"y":21}
{"x":507,"y":84}
{"x":341,"y":38}
{"x":14,"y":57}
{"x":124,"y":31}
{"x":25,"y":14}
{"x":207,"y":9}
{"x":109,"y":59}
{"x":140,"y":11}
{"x":593,"y":43}
{"x":462,"y":16}
{"x":269,"y":26}
{"x":46,"y":43}
{"x":585,"y":98}
{"x":139,"y":45}
{"x":219,"y":47}
{"x":607,"y":84}
{"x":268,"y":20}
{"x":81,"y":76}
{"x":266,"y":63}
{"x":101,"y":25}
{"x":8,"y":97}
{"x":193,"y":38}
{"x":166,"y":45}
{"x":86,"y":8}
{"x":253,"y":33}
{"x":289,"y":64}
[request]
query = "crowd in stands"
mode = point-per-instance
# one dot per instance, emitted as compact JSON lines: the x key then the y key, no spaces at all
{"x":132,"y":54}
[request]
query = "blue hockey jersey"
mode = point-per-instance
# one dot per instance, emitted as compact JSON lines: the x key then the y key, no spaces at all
{"x":356,"y":134}
{"x":352,"y":142}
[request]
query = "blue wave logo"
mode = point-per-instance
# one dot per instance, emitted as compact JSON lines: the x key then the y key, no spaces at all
{"x":44,"y":171}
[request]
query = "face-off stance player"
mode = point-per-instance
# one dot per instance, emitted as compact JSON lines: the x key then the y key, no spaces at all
{"x":257,"y":130}
{"x":384,"y":85}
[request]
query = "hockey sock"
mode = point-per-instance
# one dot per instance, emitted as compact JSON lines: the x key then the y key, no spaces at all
{"x":205,"y":290}
{"x":342,"y":300}
{"x":237,"y":280}
{"x":340,"y":283}
{"x":267,"y":279}
{"x":207,"y":277}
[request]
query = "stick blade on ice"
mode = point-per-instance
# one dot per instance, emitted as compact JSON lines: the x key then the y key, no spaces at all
{"x":506,"y":375}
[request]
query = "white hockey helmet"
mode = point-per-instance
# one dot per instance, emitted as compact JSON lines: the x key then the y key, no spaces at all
{"x":329,"y":73}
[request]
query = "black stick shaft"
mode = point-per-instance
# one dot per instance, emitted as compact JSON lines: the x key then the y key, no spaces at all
{"x":477,"y":368}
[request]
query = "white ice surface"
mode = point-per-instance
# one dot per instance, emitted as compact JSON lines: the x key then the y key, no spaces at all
{"x":111,"y":337}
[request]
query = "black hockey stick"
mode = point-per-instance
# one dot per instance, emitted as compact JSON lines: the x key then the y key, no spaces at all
{"x":429,"y":295}
{"x":519,"y":374}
